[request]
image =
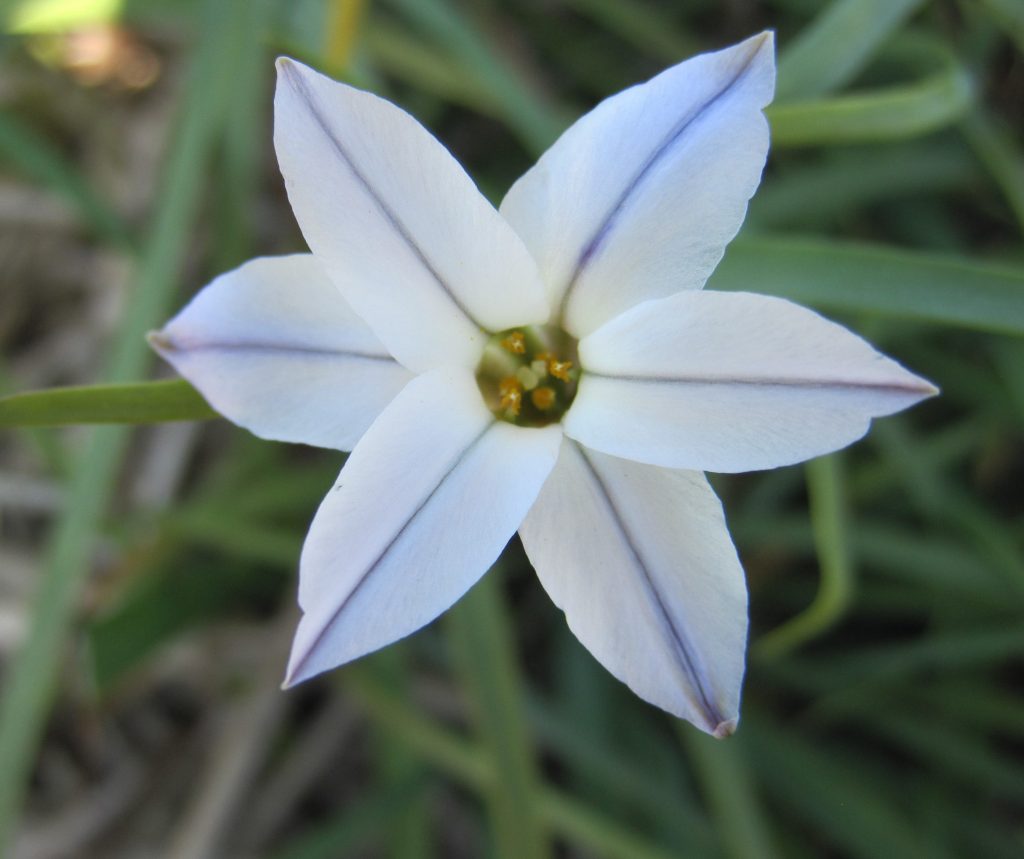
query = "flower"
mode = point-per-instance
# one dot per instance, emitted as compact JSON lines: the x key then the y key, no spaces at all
{"x":553,"y":368}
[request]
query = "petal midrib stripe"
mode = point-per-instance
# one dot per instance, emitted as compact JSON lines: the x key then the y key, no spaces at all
{"x":674,"y":135}
{"x":768,"y":382}
{"x":306,"y":94}
{"x":256,"y":346}
{"x":687,"y":661}
{"x":452,"y":468}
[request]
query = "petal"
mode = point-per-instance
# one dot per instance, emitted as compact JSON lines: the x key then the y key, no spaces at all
{"x":275,"y":349}
{"x":721,"y":381}
{"x":638,"y":199}
{"x":640,"y":561}
{"x":402,"y":230}
{"x":425,"y":504}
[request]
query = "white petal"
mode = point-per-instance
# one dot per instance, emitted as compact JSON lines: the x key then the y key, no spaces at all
{"x":638,"y":199}
{"x":720,"y":381}
{"x":402,"y":230}
{"x":425,"y":504}
{"x":275,"y":349}
{"x":640,"y":561}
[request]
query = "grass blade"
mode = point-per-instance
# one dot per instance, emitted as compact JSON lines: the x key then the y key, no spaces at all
{"x":893,"y":113}
{"x":32,"y":676}
{"x":132,"y":403}
{"x":480,"y":633}
{"x":825,"y":487}
{"x":837,"y":44}
{"x":861,"y":278}
{"x":38,"y":159}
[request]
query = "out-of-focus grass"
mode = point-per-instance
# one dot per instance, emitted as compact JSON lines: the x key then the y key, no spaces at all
{"x":882,"y":711}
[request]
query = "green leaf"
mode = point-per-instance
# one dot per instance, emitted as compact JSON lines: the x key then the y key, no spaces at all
{"x":36,"y":157}
{"x":480,"y":633}
{"x":892,"y":113}
{"x":535,"y":122}
{"x":830,"y":518}
{"x":138,"y":403}
{"x":837,"y":44}
{"x":861,"y":278}
{"x":829,"y":793}
{"x":32,"y":674}
{"x":722,"y":770}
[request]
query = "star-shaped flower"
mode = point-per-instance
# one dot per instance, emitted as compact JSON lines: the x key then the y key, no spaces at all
{"x":553,"y":368}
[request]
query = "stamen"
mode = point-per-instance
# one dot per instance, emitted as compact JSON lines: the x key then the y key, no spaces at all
{"x":528,"y":376}
{"x":515,"y":343}
{"x":543,"y":398}
{"x":511,"y":396}
{"x":559,"y":369}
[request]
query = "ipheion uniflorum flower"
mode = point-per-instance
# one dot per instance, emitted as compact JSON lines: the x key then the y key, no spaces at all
{"x":553,"y":366}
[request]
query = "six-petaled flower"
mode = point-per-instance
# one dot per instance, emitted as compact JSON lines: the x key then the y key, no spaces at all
{"x":552,"y":367}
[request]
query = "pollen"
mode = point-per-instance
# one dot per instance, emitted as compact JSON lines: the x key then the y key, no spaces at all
{"x":559,"y":369}
{"x":515,"y":343}
{"x":543,"y":398}
{"x":510,"y":393}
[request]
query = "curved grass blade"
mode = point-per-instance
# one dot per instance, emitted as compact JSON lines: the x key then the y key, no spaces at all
{"x":892,"y":113}
{"x":829,"y":517}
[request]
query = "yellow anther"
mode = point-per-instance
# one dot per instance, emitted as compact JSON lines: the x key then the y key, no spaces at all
{"x":515,"y":343}
{"x":543,"y":398}
{"x":511,"y":394}
{"x":559,"y":369}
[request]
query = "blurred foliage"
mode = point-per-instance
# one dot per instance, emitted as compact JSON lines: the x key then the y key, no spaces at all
{"x":883,"y":710}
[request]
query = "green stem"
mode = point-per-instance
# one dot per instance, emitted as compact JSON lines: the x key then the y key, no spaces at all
{"x":830,"y":520}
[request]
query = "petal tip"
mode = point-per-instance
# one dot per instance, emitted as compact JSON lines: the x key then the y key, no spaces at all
{"x":296,"y":673}
{"x":725,"y":729}
{"x":160,"y":341}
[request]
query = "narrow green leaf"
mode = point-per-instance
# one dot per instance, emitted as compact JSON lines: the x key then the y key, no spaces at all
{"x":480,"y":632}
{"x":32,"y":675}
{"x":624,"y":782}
{"x":1008,"y":14}
{"x":37,"y":158}
{"x":642,"y":24}
{"x":816,"y":194}
{"x":892,"y":113}
{"x":720,"y":767}
{"x":429,"y":69}
{"x":861,"y":278}
{"x":829,"y":517}
{"x":138,"y":403}
{"x":467,"y":763}
{"x":830,"y":51}
{"x":829,"y":794}
{"x":523,"y":109}
{"x":368,"y":819}
{"x":998,"y":149}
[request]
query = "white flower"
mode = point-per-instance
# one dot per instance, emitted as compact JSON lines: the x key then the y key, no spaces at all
{"x":415,"y":335}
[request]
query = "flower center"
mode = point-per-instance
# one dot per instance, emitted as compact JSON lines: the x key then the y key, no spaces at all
{"x":528,"y":376}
